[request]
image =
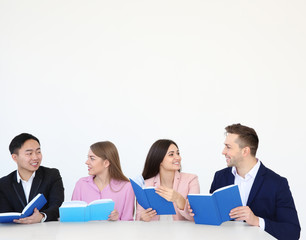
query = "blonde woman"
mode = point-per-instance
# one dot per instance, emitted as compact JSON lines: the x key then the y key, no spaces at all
{"x":106,"y":181}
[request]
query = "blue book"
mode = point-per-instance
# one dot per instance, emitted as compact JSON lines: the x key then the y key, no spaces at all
{"x":38,"y":202}
{"x":148,"y":198}
{"x":80,"y":211}
{"x":214,"y":209}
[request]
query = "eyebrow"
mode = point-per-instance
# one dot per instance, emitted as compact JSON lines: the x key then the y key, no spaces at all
{"x":31,"y":150}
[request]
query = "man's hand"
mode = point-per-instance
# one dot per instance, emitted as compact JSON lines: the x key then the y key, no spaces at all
{"x":36,"y":217}
{"x":244,"y":213}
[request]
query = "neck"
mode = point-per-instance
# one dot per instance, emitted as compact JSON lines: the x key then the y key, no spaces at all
{"x":246,"y":166}
{"x":102,"y":180}
{"x":166,"y":178}
{"x":25,"y":175}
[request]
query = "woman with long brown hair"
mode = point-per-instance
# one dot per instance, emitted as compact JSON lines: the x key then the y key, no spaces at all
{"x":162,"y":170}
{"x":106,"y":181}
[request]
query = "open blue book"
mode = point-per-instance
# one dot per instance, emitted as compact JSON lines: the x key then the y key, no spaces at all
{"x":38,"y":202}
{"x":148,"y":198}
{"x":214,"y":209}
{"x":80,"y":211}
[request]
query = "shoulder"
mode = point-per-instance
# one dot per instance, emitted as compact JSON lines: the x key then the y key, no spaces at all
{"x":8,"y":178}
{"x":84,"y":180}
{"x":48,"y":171}
{"x":119,"y":185}
{"x":271,"y":176}
{"x":223,"y":172}
{"x":187,"y":177}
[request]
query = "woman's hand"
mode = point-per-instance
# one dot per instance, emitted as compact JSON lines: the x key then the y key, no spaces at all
{"x":172,"y":196}
{"x":147,"y":215}
{"x":114,"y":216}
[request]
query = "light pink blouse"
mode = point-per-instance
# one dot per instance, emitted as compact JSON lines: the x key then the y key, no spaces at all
{"x":184,"y":183}
{"x":121,"y":192}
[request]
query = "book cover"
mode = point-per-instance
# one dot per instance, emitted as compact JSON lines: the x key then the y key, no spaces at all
{"x":38,"y":202}
{"x":80,"y":211}
{"x":148,"y":198}
{"x":214,"y":209}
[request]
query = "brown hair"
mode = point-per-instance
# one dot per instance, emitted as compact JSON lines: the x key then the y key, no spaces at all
{"x":247,"y":137}
{"x":155,"y":156}
{"x":107,"y":150}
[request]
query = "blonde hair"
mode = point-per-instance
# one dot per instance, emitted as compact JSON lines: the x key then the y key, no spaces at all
{"x":107,"y":150}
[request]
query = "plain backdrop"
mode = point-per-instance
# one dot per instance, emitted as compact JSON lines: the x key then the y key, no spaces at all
{"x":133,"y":71}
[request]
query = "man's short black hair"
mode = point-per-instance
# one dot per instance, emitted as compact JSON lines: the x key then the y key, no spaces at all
{"x":19,"y":140}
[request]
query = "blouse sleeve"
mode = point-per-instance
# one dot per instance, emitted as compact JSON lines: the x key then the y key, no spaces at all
{"x":193,"y":188}
{"x":128,"y":209}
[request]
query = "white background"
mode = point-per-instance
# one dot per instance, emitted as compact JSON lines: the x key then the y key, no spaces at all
{"x":76,"y":72}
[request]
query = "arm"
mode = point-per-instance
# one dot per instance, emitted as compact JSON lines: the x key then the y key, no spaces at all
{"x":190,"y":186}
{"x":145,"y":215}
{"x":286,"y":223}
{"x":55,"y":197}
{"x":193,"y":188}
{"x":129,"y":203}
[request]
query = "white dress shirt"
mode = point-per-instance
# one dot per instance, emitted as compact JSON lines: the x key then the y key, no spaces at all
{"x":26,"y":185}
{"x":27,"y":188}
{"x":245,"y":184}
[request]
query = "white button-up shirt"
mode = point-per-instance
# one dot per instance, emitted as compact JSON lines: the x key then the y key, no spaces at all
{"x":245,"y":184}
{"x":26,"y":185}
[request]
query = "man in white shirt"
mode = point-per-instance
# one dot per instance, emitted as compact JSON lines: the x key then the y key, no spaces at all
{"x":19,"y":187}
{"x":266,"y":197}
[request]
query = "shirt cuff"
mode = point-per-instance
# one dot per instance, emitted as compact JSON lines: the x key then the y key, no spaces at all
{"x":44,"y":218}
{"x":262,"y":223}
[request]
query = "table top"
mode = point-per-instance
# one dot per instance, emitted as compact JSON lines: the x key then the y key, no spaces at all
{"x":131,"y":230}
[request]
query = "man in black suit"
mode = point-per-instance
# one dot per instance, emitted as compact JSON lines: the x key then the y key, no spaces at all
{"x":19,"y":187}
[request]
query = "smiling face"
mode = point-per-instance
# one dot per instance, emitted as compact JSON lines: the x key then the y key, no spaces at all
{"x":232,"y":152}
{"x":172,"y":159}
{"x":28,"y":158}
{"x":96,"y":165}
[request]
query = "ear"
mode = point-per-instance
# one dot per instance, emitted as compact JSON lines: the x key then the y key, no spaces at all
{"x":106,"y":163}
{"x":246,"y":151}
{"x":15,"y":156}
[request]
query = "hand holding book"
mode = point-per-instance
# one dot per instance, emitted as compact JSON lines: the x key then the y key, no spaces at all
{"x":172,"y":196}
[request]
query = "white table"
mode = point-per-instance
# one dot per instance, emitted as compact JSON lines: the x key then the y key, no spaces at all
{"x":105,"y":230}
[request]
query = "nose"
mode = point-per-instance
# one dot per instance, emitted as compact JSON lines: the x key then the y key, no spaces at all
{"x":35,"y":155}
{"x":224,"y":151}
{"x":87,"y":162}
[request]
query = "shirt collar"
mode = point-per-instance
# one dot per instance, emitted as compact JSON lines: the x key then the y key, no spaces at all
{"x":252,"y":173}
{"x":20,"y":179}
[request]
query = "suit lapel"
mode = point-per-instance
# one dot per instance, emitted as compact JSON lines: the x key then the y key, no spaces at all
{"x":35,"y":184}
{"x":19,"y":191}
{"x":257,"y":183}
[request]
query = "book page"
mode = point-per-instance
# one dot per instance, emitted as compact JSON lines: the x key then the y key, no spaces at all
{"x":98,"y":201}
{"x":30,"y":203}
{"x":71,"y":204}
{"x":10,"y":214}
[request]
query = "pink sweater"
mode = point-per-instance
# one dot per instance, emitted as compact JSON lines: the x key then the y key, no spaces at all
{"x":120,"y":192}
{"x":184,"y":183}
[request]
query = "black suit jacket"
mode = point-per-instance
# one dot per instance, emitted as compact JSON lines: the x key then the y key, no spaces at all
{"x":270,"y":198}
{"x":47,"y":181}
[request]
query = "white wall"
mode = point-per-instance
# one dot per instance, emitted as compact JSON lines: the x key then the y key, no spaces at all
{"x":76,"y":72}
